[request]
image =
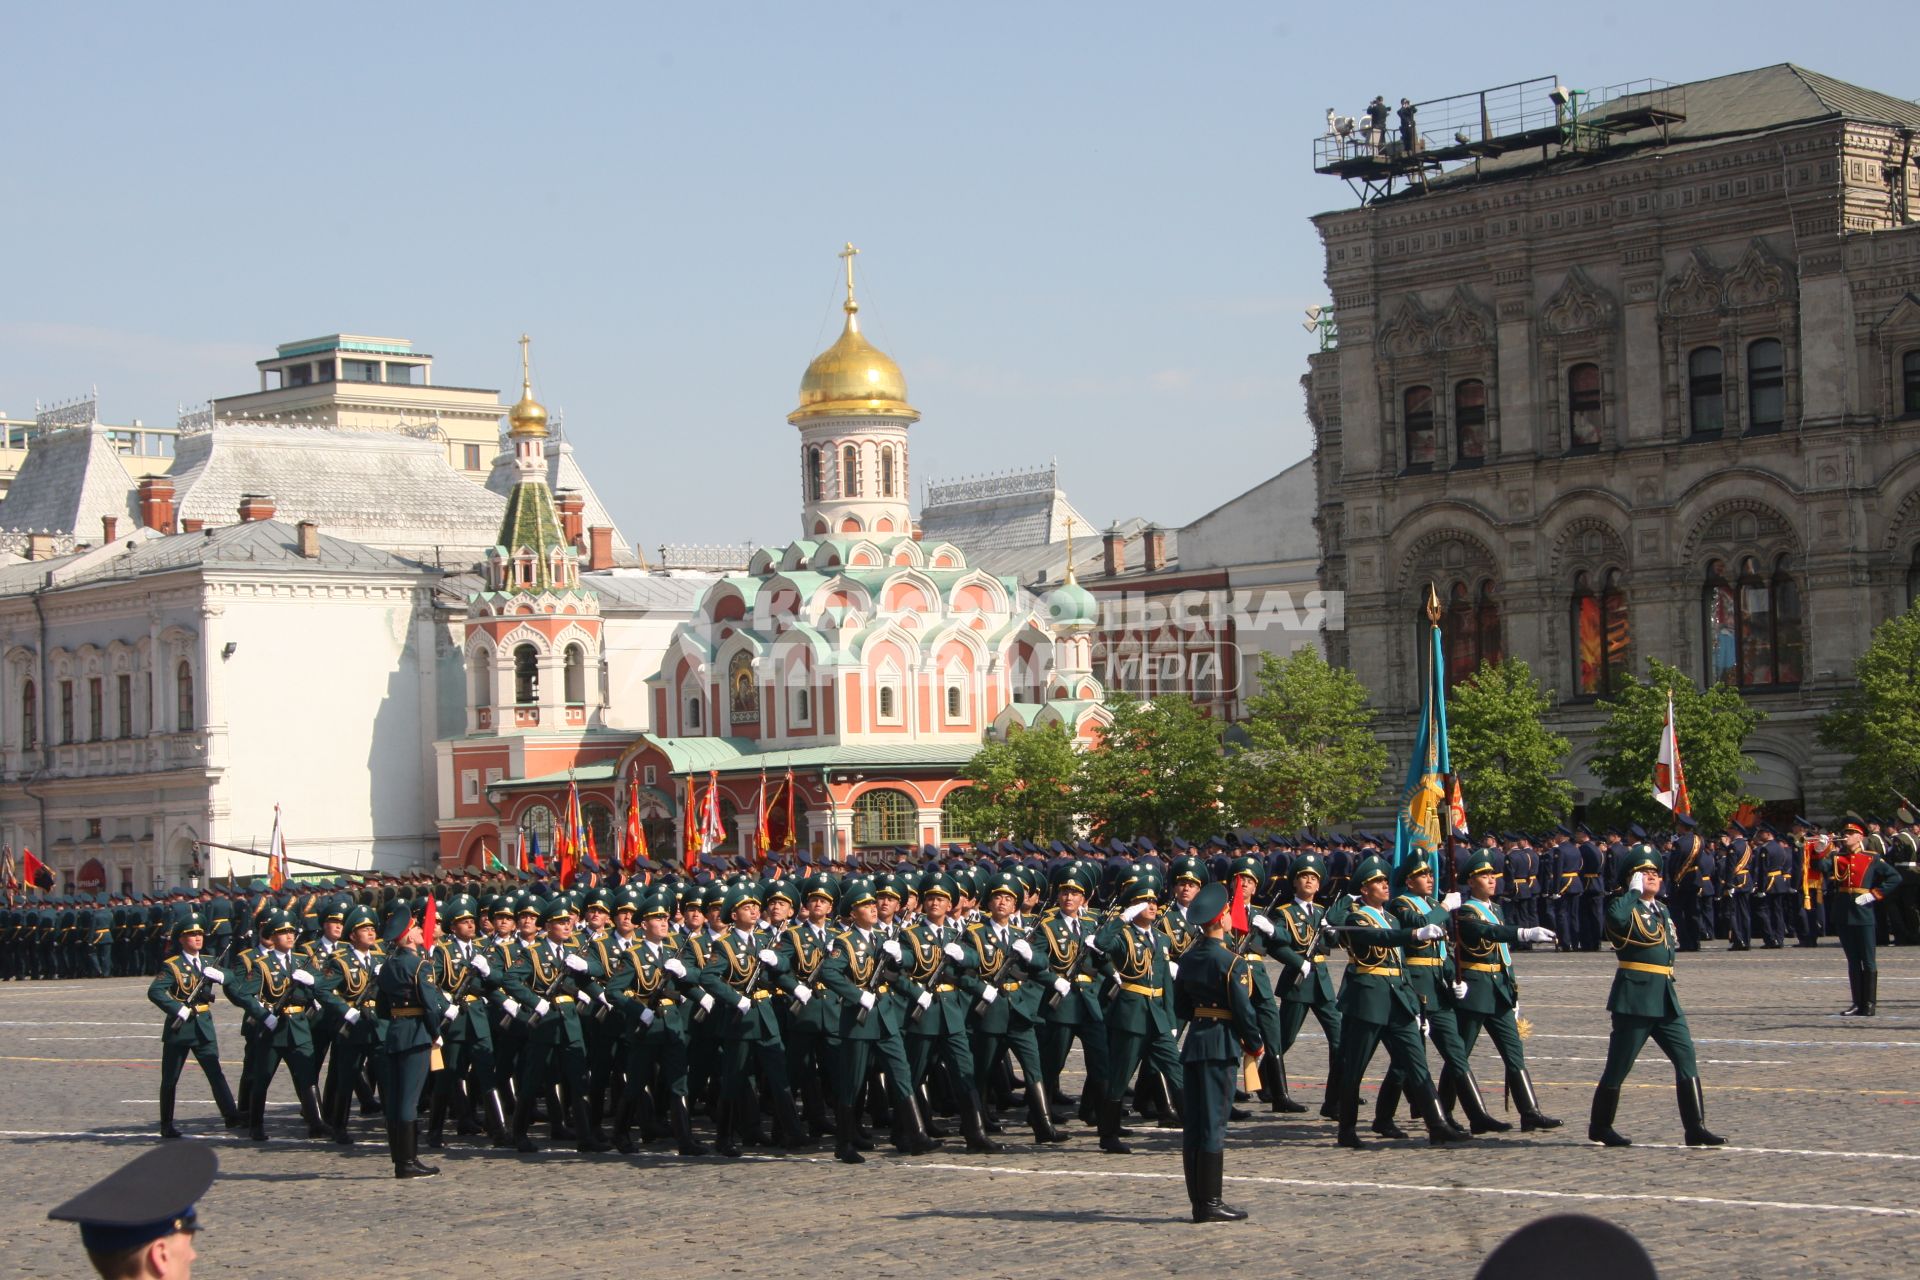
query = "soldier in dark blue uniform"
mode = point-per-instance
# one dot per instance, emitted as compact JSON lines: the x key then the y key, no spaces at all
{"x":1689,"y":884}
{"x":1563,"y":882}
{"x":1590,"y":921}
{"x":1774,"y":894}
{"x":1214,"y":996}
{"x":1738,"y":873}
{"x":1523,"y":871}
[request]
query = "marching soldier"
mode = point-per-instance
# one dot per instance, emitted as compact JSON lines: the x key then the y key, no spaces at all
{"x":550,"y":981}
{"x":936,"y":958}
{"x":347,"y":992}
{"x":183,"y":991}
{"x":1861,"y":879}
{"x":740,"y":979}
{"x":415,"y":1012}
{"x":1139,"y":1019}
{"x":1214,"y":995}
{"x":1300,"y":944}
{"x":1007,"y":997}
{"x":459,"y":967}
{"x":1071,"y":1010}
{"x":277,"y":994}
{"x":653,"y":988}
{"x":1486,"y":994}
{"x":813,"y":1019}
{"x":1645,"y":1004}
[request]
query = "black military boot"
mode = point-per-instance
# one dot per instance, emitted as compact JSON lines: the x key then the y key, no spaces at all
{"x":1426,"y":1105}
{"x":1385,"y":1103}
{"x":1479,"y":1119}
{"x":1347,"y":1113}
{"x":971,"y":1124}
{"x":1693,"y":1114}
{"x":1213,"y":1173}
{"x":1273,"y":1069}
{"x":437,"y":1120}
{"x":913,"y":1131}
{"x":410,"y":1135}
{"x":845,"y":1149}
{"x":1330,"y":1100}
{"x":588,"y":1140}
{"x":522,"y":1121}
{"x":397,"y":1149}
{"x":1606,"y":1104}
{"x":1110,"y":1130}
{"x":166,"y":1114}
{"x":1855,"y":998}
{"x":494,"y":1117}
{"x":1196,"y":1183}
{"x":934,"y":1128}
{"x":559,"y":1107}
{"x":1870,"y":988}
{"x":230,"y":1115}
{"x":681,"y":1122}
{"x":1520,"y":1089}
{"x":623,"y":1124}
{"x":1044,"y":1131}
{"x":310,"y":1112}
{"x":725,"y":1141}
{"x":1172,"y":1113}
{"x":257,"y":1116}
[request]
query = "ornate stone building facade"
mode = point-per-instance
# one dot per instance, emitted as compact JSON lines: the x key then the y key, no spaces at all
{"x":1652,"y":395}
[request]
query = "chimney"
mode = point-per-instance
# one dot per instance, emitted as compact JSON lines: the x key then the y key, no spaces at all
{"x":39,"y":546}
{"x":192,"y":526}
{"x":573,"y":509}
{"x":156,"y":503}
{"x":1153,"y":548}
{"x":255,"y":506}
{"x":307,"y":540}
{"x":600,"y":545}
{"x":1116,"y":551}
{"x":109,"y":529}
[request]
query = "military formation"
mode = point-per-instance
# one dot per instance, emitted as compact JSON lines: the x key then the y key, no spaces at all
{"x":788,"y":1008}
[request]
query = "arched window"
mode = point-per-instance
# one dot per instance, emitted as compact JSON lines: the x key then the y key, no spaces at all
{"x":576,"y":674}
{"x":482,"y":671}
{"x":30,"y":708}
{"x":526,"y":675}
{"x":1913,"y":594}
{"x":850,"y":472}
{"x":1418,"y":408}
{"x":693,"y":712}
{"x":537,"y":824}
{"x":1910,"y":382}
{"x":1470,"y":423}
{"x":886,"y":471}
{"x":1486,"y":624}
{"x":598,"y":818}
{"x":1583,"y":408}
{"x":1600,"y":636}
{"x":183,"y":696}
{"x":883,"y":817}
{"x":1706,"y":397}
{"x":955,"y":702}
{"x":816,"y":474}
{"x":1766,"y":386}
{"x":1754,"y":630}
{"x":1459,"y":637}
{"x":888,"y":703}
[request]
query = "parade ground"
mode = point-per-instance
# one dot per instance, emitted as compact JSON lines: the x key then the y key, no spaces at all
{"x":1820,"y":1177}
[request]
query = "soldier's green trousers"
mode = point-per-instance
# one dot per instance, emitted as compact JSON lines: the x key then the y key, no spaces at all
{"x":403,"y":1078}
{"x":1206,"y":1097}
{"x":855,"y":1055}
{"x":1125,"y":1051}
{"x":1500,"y":1028}
{"x":1401,"y":1035}
{"x":173,"y":1060}
{"x":1630,"y":1034}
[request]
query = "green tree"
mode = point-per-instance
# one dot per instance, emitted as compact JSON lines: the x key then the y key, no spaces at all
{"x":1022,"y":787}
{"x":1711,"y":726}
{"x":1510,"y":765}
{"x":1158,"y":772}
{"x":1876,"y":723}
{"x":1311,"y":755}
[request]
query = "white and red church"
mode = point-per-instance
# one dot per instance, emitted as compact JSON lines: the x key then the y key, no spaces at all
{"x":859,"y":665}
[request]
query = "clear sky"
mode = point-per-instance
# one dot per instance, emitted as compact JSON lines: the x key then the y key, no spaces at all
{"x":1084,"y":227}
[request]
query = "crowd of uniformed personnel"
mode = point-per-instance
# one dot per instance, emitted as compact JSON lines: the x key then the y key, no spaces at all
{"x":796,"y":1006}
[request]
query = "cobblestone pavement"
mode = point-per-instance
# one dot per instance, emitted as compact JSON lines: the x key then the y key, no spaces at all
{"x":1821,"y":1177}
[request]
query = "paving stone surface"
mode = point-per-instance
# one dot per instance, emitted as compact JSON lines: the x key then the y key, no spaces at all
{"x":1821,"y":1177}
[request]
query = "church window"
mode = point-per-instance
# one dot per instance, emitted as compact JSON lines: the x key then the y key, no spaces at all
{"x":536,"y":825}
{"x":1706,"y":397}
{"x":1601,"y":639}
{"x":1583,"y":408}
{"x":1470,"y":423}
{"x":850,"y":472}
{"x":576,"y":674}
{"x":123,"y":689}
{"x":526,"y":675}
{"x":955,"y":701}
{"x":883,"y":817}
{"x":523,"y":569}
{"x":693,"y":712}
{"x":1469,"y":629}
{"x":1910,"y":382}
{"x":889,"y":703}
{"x":1418,"y":406}
{"x":886,"y":471}
{"x":183,"y":695}
{"x":96,"y":709}
{"x":802,"y":707}
{"x":1766,"y":386}
{"x":816,"y":474}
{"x":1754,"y":628}
{"x":482,"y":679}
{"x":1486,"y":624}
{"x":30,"y":712}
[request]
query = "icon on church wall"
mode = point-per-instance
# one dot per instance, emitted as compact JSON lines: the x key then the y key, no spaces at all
{"x":743,"y":690}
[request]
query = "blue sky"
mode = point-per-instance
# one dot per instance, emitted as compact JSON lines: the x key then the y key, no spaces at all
{"x":1084,"y":227}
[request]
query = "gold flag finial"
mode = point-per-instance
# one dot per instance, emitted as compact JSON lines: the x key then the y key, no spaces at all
{"x":1433,"y":605}
{"x":847,"y":255}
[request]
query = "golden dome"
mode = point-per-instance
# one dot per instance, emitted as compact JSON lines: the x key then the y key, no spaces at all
{"x":853,"y":377}
{"x":528,"y":417}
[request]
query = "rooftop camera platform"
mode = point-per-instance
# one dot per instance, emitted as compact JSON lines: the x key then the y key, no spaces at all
{"x":1471,"y":127}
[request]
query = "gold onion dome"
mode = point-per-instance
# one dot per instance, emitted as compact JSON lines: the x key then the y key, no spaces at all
{"x":853,"y":377}
{"x":528,"y":417}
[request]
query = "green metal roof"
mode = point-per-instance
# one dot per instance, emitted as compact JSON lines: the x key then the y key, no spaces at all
{"x":602,"y":772}
{"x":742,"y":755}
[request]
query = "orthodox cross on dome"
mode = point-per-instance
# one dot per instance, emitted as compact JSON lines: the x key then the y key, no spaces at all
{"x":526,"y":364}
{"x":847,"y":255}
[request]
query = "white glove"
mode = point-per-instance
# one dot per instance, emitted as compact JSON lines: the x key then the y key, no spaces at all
{"x":1450,"y":903}
{"x":1459,"y":991}
{"x":954,"y":952}
{"x":304,"y":978}
{"x":353,"y":1017}
{"x":511,"y":1006}
{"x":1866,"y":899}
{"x":1022,"y":949}
{"x":1531,"y":934}
{"x":743,"y":1004}
{"x":213,"y":974}
{"x":926,"y":1000}
{"x":768,"y":957}
{"x":892,"y":949}
{"x":453,"y":1011}
{"x":674,"y":967}
{"x":1133,"y":912}
{"x":603,"y":1000}
{"x":1173,"y":969}
{"x":989,"y":995}
{"x":646,"y":1017}
{"x":540,"y":1009}
{"x":480,"y":966}
{"x":1263,"y":924}
{"x":1429,"y":933}
{"x":1062,"y":985}
{"x":706,"y":1003}
{"x":273,"y":1021}
{"x":803,"y":995}
{"x":376,"y":970}
{"x":576,"y":964}
{"x":1638,"y":882}
{"x":183,"y":1013}
{"x":866,"y":999}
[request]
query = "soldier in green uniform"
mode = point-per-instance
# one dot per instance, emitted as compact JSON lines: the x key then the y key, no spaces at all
{"x":509,"y":1033}
{"x":346,"y":991}
{"x":1378,"y":1006}
{"x":1006,"y":997}
{"x":813,"y":1019}
{"x":1644,"y":1003}
{"x":1070,"y":1009}
{"x":460,"y":967}
{"x":937,"y":958}
{"x":1214,"y":994}
{"x":1140,"y":1021}
{"x":1860,"y":878}
{"x":550,"y":981}
{"x":1486,"y":994}
{"x":1300,"y":943}
{"x":653,"y":988}
{"x":276,"y":991}
{"x":740,"y":979}
{"x":415,"y":1012}
{"x":183,"y":991}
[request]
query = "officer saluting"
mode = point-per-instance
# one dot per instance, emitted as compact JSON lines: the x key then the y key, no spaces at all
{"x":1214,"y":994}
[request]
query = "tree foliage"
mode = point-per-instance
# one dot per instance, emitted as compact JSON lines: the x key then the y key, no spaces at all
{"x":1022,"y":787}
{"x":1158,"y":773}
{"x":1311,"y":755}
{"x":1876,"y":723}
{"x":1711,"y":726}
{"x":1510,"y":765}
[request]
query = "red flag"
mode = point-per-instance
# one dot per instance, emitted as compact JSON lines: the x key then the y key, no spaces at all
{"x":277,"y":855}
{"x":593,"y":848}
{"x":633,"y":844}
{"x":1669,"y":778}
{"x":1456,"y":807}
{"x":760,"y":839}
{"x":713,"y":833}
{"x":568,"y":837}
{"x":690,"y":857}
{"x":1238,"y":912}
{"x":429,"y":924}
{"x":35,"y":871}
